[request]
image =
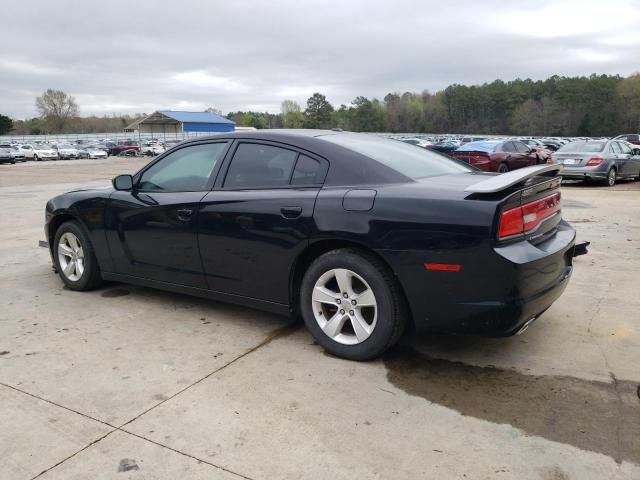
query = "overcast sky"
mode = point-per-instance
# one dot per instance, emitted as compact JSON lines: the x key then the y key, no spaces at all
{"x":140,"y":56}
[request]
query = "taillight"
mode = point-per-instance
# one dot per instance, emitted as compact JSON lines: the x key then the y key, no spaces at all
{"x":595,"y":161}
{"x":528,"y":216}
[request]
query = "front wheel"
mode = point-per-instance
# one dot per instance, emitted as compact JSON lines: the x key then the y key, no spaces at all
{"x":352,"y":304}
{"x":74,"y":258}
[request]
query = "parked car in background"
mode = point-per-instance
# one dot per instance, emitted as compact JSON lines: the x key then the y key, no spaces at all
{"x":125,"y":147}
{"x":543,"y":153}
{"x":151,"y":149}
{"x":39,"y":151}
{"x":66,"y":151}
{"x":602,"y":160}
{"x":496,"y":155}
{"x":632,"y":138}
{"x":16,"y":154}
{"x":92,"y":151}
{"x":551,"y":145}
{"x":446,"y":146}
{"x":464,"y":140}
{"x":418,"y":142}
{"x":5,"y":155}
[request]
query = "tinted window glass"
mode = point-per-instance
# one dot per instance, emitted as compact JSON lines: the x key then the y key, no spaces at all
{"x":185,"y":170}
{"x":406,"y":159}
{"x":307,"y":171}
{"x":521,"y":147}
{"x":508,"y":147}
{"x":255,"y":165}
{"x":625,"y":148}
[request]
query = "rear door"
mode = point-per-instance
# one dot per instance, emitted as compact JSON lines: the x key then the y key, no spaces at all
{"x":619,"y":158}
{"x":258,"y":219}
{"x":152,"y":230}
{"x":513,"y":158}
{"x":628,"y":169}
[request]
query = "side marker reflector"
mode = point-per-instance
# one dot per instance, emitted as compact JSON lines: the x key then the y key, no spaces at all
{"x":442,"y":267}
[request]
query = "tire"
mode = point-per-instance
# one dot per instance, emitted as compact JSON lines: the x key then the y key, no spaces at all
{"x":503,"y":168}
{"x":611,"y":177}
{"x":35,"y":158}
{"x":84,"y":276}
{"x":363,"y":274}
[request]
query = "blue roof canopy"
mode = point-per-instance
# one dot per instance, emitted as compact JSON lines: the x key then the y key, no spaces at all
{"x":196,"y":117}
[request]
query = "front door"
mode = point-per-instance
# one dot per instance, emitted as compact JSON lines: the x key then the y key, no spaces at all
{"x":153,"y":229}
{"x":258,"y":219}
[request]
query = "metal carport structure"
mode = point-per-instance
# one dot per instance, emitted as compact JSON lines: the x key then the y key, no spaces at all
{"x":180,"y":124}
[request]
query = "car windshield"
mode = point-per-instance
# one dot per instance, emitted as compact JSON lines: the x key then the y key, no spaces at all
{"x":589,"y":147}
{"x":402,"y":157}
{"x":66,"y":145}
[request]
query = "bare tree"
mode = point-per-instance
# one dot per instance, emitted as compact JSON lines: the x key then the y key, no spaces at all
{"x":56,"y":107}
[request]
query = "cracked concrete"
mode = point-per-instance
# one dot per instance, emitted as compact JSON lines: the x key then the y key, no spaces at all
{"x":128,"y":382}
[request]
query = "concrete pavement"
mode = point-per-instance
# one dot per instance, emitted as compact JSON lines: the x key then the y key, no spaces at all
{"x":128,"y":382}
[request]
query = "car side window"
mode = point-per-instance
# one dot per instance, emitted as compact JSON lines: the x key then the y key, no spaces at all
{"x":306,"y":172}
{"x":625,"y":148}
{"x":257,"y":165}
{"x":185,"y":170}
{"x":615,"y":146}
{"x":521,"y":147}
{"x":508,"y":147}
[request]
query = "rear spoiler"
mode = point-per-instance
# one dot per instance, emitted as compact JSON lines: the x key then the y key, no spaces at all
{"x":506,"y":180}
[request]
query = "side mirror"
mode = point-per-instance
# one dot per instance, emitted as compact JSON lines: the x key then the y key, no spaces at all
{"x":636,"y":151}
{"x":123,"y":182}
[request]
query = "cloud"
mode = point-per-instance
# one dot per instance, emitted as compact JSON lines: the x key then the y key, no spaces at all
{"x":118,"y":56}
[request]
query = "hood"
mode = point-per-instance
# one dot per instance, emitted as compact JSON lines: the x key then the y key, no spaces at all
{"x":97,"y":188}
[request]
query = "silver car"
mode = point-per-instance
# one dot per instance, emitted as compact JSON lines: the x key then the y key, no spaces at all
{"x":602,"y":160}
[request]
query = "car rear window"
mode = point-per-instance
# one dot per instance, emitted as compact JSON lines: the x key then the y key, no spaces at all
{"x":479,"y":147}
{"x":402,"y":157}
{"x":588,"y":147}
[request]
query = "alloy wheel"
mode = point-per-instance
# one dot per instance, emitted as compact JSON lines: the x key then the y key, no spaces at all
{"x":344,"y":306}
{"x":71,"y":256}
{"x":611,"y":177}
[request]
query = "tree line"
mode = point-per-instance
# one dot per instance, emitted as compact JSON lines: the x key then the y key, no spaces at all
{"x":560,"y":106}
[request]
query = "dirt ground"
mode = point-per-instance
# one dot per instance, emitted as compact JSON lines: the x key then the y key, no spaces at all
{"x":128,"y":382}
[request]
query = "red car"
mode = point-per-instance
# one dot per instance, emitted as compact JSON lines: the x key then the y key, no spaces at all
{"x":125,"y":147}
{"x":496,"y":155}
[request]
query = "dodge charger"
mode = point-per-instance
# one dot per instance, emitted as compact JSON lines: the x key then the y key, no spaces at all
{"x":362,"y":236}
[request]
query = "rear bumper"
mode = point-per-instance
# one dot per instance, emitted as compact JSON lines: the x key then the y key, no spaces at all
{"x":577,"y":173}
{"x":497,"y":291}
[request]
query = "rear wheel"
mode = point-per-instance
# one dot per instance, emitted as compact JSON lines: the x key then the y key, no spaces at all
{"x":352,"y":305}
{"x":503,"y":168}
{"x":611,"y":177}
{"x":74,"y":258}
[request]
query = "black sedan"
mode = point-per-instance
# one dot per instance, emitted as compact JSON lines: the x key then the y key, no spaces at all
{"x":363,"y":236}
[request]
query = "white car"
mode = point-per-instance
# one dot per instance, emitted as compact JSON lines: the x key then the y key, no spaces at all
{"x":94,"y":152}
{"x":16,"y":153}
{"x":66,"y":151}
{"x":150,"y":148}
{"x":38,"y":151}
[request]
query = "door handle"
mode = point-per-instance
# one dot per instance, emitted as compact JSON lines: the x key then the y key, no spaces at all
{"x":184,"y":214}
{"x":291,"y":212}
